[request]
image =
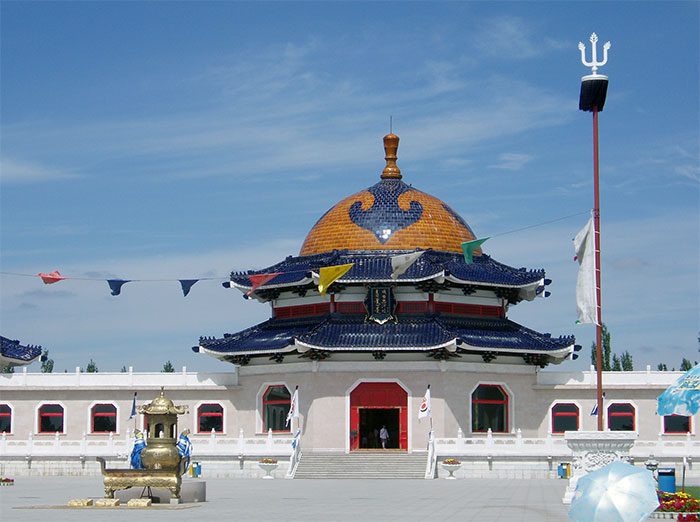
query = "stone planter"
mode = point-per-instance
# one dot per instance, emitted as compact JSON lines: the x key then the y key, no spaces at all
{"x":593,"y":450}
{"x":268,"y":468}
{"x":450,"y":468}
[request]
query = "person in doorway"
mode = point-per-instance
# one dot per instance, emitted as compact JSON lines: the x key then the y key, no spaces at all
{"x":384,"y":436}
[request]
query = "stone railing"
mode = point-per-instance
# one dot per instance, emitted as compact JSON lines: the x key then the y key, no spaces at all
{"x":295,"y":456}
{"x":57,"y":447}
{"x":515,"y":445}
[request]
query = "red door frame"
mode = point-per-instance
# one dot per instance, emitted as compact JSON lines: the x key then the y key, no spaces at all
{"x":385,"y":395}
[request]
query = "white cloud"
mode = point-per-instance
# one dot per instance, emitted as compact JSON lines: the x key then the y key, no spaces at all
{"x":513,"y":38}
{"x":512,"y":161}
{"x":17,"y":171}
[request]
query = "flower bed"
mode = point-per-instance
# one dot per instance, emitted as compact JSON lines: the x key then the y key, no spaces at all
{"x":7,"y":481}
{"x":267,"y":461}
{"x":451,"y":462}
{"x":678,"y":506}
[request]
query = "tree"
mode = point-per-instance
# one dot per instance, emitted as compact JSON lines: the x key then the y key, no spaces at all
{"x":168,"y":367}
{"x":606,"y":348}
{"x":46,"y":363}
{"x":662,"y":367}
{"x":91,"y":367}
{"x":686,"y":365}
{"x":123,"y":370}
{"x":8,"y":369}
{"x":616,"y":364}
{"x":627,"y":362}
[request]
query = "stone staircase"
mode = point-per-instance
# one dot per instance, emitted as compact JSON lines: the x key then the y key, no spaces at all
{"x":361,"y":465}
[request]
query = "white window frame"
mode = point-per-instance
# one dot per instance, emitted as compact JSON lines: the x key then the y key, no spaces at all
{"x":662,"y":432}
{"x":550,"y":429}
{"x":36,"y":418}
{"x":12,"y":417}
{"x":89,"y":418}
{"x":510,"y":411}
{"x":259,"y":406}
{"x":606,"y":407}
{"x":195,"y":427}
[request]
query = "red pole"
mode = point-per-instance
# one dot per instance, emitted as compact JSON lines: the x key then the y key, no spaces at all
{"x":596,"y":224}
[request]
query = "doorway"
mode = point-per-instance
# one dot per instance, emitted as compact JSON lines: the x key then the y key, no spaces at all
{"x":377,"y":404}
{"x":371,"y":422}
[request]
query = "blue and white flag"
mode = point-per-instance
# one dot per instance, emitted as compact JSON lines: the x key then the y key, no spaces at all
{"x":133,"y":408}
{"x":184,"y":446}
{"x":594,"y":411}
{"x":294,"y":407}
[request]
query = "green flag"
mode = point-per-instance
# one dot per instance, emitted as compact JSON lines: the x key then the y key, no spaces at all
{"x":469,"y":247}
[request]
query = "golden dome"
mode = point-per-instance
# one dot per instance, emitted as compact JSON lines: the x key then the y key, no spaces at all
{"x":390,"y":215}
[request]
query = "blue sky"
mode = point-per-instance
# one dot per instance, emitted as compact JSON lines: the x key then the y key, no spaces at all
{"x":180,"y":140}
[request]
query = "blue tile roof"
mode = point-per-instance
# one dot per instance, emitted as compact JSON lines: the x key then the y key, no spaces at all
{"x":337,"y":332}
{"x":373,"y":266}
{"x":13,"y":350}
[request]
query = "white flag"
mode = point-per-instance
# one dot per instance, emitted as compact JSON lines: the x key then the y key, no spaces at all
{"x":401,"y":263}
{"x":586,"y":298}
{"x":294,"y":407}
{"x":425,"y":409}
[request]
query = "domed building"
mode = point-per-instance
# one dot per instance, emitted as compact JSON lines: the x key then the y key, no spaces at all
{"x":409,"y":309}
{"x":389,"y":296}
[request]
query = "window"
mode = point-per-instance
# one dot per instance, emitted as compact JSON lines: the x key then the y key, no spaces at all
{"x":565,"y":417}
{"x":621,"y":417}
{"x":276,"y":404}
{"x":5,"y":418}
{"x":51,"y":418}
{"x":490,"y":408}
{"x":210,"y":417}
{"x":104,"y":418}
{"x":676,"y":424}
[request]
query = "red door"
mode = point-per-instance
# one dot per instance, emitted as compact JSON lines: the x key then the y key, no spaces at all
{"x":380,"y":395}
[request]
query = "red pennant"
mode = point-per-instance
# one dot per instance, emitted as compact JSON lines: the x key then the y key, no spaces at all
{"x":53,"y":277}
{"x":259,"y":280}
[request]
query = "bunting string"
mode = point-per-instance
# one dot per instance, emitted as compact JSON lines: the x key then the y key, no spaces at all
{"x":115,"y":285}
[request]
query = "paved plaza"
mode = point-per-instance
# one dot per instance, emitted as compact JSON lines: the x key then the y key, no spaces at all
{"x":305,"y":500}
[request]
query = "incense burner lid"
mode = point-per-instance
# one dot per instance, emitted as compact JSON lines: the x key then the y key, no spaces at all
{"x":162,"y":405}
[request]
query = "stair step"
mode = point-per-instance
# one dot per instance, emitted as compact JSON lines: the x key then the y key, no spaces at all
{"x":361,"y":466}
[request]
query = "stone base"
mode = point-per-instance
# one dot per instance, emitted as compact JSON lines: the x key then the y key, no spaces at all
{"x":593,"y":450}
{"x":192,"y":490}
{"x":107,"y":502}
{"x":139,"y":503}
{"x":80,"y":502}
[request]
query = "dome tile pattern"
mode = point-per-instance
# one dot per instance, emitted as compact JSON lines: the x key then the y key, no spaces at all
{"x":390,"y":215}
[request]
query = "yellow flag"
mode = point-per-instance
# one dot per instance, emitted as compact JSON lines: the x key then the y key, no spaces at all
{"x":328,"y":274}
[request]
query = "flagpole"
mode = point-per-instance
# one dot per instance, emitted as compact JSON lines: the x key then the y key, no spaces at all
{"x":599,"y":311}
{"x":594,"y":88}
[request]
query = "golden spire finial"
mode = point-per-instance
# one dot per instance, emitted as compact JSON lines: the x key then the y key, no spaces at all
{"x":391,"y":145}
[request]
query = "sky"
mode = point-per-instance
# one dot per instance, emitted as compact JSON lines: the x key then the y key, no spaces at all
{"x":185,"y":140}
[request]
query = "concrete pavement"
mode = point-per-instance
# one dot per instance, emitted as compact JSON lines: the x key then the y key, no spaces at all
{"x":462,"y":500}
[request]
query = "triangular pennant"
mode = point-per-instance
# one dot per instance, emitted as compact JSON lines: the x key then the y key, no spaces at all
{"x":115,"y":285}
{"x":187,"y":285}
{"x":401,"y":263}
{"x":469,"y":247}
{"x":53,"y":277}
{"x":328,"y":274}
{"x":258,"y":280}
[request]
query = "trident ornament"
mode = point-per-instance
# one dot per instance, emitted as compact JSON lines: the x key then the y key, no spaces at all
{"x":594,"y":63}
